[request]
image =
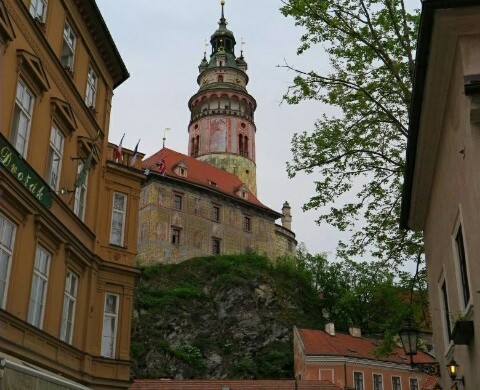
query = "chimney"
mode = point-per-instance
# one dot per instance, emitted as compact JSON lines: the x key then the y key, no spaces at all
{"x":286,"y":217}
{"x":330,"y":328}
{"x":355,"y":331}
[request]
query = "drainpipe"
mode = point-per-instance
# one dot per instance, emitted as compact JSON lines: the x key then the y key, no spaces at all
{"x":345,"y":375}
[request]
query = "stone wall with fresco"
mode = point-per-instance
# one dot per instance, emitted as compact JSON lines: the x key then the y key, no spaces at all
{"x":197,"y":227}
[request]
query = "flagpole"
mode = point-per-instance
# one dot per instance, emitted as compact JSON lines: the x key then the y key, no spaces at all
{"x":164,"y":138}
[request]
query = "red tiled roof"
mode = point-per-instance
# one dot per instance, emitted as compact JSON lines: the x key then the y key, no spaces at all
{"x":219,"y":384}
{"x":320,"y":343}
{"x":431,"y":384}
{"x":202,"y":174}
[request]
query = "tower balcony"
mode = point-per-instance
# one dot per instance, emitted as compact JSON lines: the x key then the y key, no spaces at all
{"x":221,"y":111}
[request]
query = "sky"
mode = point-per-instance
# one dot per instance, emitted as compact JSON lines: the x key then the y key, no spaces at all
{"x":162,"y":44}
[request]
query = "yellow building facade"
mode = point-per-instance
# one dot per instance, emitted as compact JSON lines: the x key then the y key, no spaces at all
{"x":68,"y":205}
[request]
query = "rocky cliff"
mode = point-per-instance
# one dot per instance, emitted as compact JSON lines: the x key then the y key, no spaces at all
{"x":222,"y":316}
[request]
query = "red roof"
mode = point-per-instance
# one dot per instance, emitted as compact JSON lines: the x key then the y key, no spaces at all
{"x":320,"y":343}
{"x":202,"y":174}
{"x":219,"y":384}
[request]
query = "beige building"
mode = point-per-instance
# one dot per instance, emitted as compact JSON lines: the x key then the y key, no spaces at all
{"x":68,"y":212}
{"x":206,"y":203}
{"x":442,"y":180}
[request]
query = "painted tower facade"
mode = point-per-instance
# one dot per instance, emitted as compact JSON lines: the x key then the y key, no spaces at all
{"x":222,"y":129}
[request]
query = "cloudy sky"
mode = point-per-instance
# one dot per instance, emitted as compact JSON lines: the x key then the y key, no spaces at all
{"x":162,"y":43}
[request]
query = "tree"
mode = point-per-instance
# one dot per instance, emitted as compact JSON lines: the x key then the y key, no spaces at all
{"x":359,"y":154}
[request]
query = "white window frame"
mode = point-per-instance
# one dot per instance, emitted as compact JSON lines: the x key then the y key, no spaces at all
{"x":69,"y":44}
{"x":36,"y":307}
{"x":91,"y":90}
{"x":80,"y":202}
{"x":38,"y":9}
{"x":55,"y":157}
{"x":113,"y":316}
{"x":69,"y":305}
{"x":6,"y":255}
{"x":373,"y":381}
{"x":400,"y":379}
{"x":122,"y":213}
{"x":22,"y":113}
{"x":362,"y":379}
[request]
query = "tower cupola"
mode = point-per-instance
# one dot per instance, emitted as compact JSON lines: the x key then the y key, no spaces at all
{"x":222,"y":128}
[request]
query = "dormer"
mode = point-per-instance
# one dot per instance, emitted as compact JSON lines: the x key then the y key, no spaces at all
{"x":181,"y":169}
{"x":242,"y":192}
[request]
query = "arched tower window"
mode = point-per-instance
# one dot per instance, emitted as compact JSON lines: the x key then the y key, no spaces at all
{"x":195,"y":146}
{"x":245,"y":146}
{"x":220,"y":78}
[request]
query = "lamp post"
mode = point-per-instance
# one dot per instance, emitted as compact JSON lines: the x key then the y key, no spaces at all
{"x":409,"y":337}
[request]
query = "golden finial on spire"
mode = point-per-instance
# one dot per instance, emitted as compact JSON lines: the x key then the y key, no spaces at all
{"x":222,"y":2}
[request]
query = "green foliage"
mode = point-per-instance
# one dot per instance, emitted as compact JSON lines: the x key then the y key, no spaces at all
{"x":359,"y":155}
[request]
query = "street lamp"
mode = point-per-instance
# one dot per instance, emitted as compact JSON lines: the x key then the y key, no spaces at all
{"x":409,"y":337}
{"x":452,"y":368}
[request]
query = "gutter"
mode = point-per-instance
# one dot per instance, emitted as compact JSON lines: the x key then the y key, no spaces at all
{"x":429,"y":7}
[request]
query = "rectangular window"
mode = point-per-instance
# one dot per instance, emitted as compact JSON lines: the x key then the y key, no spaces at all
{"x":215,"y":246}
{"x":55,"y":155}
{"x":462,"y":265}
{"x":81,"y":195}
{"x":177,"y":201}
{"x":446,"y":311}
{"x":377,"y":382}
{"x":69,"y":301}
{"x":413,"y":384}
{"x":68,"y":47}
{"x":91,"y":93}
{"x":38,"y":294}
{"x":38,"y":9}
{"x":7,"y":239}
{"x":22,"y":118}
{"x":247,"y":226}
{"x":110,"y":323}
{"x":216,"y":213}
{"x":358,"y":380}
{"x":176,"y":236}
{"x":396,"y":385}
{"x":119,"y":209}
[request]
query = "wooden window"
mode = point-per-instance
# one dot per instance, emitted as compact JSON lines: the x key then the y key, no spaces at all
{"x":22,"y":118}
{"x":119,"y":210}
{"x":110,"y":324}
{"x":247,"y":226}
{"x":462,"y":266}
{"x":69,"y":303}
{"x":215,"y":246}
{"x":177,"y":201}
{"x":413,"y":384}
{"x":216,"y":213}
{"x":55,"y":156}
{"x":7,"y":239}
{"x":176,"y":236}
{"x":445,"y":309}
{"x":38,"y":293}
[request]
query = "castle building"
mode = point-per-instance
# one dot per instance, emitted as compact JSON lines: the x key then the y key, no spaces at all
{"x":68,"y":211}
{"x":206,"y":202}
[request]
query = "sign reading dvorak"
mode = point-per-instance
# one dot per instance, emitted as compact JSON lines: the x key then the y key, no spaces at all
{"x":21,"y":171}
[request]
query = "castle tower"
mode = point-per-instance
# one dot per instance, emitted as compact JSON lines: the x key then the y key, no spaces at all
{"x":222,"y":129}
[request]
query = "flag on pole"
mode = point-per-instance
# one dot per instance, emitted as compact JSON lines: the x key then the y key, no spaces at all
{"x":162,"y":167}
{"x":118,"y":151}
{"x":133,"y":159}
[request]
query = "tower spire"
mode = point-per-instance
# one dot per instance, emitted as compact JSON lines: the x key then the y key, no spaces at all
{"x":223,"y":21}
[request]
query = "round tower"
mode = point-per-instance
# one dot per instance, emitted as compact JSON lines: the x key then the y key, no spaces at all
{"x":222,"y":129}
